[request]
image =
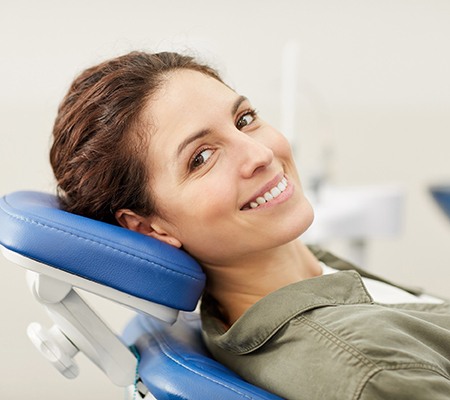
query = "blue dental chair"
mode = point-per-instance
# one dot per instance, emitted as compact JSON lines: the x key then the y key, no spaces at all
{"x":160,"y":354}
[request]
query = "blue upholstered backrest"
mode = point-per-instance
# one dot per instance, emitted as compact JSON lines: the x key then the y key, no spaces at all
{"x":32,"y":225}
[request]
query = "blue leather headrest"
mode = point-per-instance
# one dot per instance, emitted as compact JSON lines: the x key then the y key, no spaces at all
{"x":32,"y":225}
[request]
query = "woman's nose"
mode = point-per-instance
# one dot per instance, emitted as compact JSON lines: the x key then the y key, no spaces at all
{"x":254,"y":156}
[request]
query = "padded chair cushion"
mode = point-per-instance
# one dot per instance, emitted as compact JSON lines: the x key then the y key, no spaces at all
{"x":32,"y":225}
{"x":174,"y":363}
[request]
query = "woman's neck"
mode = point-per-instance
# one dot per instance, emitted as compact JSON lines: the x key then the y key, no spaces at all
{"x":237,"y":287}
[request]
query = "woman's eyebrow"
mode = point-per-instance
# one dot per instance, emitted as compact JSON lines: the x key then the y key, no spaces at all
{"x":237,"y":104}
{"x":206,"y":132}
{"x":191,"y":139}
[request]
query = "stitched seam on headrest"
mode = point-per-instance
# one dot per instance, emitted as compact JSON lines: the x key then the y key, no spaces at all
{"x":28,"y":220}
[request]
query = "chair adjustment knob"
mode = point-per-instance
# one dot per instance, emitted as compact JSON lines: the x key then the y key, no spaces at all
{"x":55,"y":347}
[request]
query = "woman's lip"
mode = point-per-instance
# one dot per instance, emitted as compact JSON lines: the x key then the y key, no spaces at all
{"x":269,"y":185}
{"x":283,"y":197}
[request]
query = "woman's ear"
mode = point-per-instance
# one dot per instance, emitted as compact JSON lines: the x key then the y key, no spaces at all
{"x":132,"y":221}
{"x":146,"y":225}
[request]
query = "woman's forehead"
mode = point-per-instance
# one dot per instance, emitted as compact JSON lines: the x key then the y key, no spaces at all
{"x":189,"y":89}
{"x":187,"y":102}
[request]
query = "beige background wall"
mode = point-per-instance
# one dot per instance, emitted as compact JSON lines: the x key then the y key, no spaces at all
{"x":374,"y":80}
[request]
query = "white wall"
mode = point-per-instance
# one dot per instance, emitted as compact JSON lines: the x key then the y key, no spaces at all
{"x":375,"y":81}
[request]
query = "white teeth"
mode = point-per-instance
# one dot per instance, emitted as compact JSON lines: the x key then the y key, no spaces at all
{"x":275,"y":192}
{"x":268,"y":196}
{"x":271,"y":194}
{"x":260,"y":200}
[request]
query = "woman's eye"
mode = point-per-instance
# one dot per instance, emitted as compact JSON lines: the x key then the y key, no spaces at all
{"x":246,"y":119}
{"x":201,"y":158}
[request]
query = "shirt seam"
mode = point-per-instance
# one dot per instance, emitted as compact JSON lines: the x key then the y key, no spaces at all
{"x":396,"y":367}
{"x":339,"y":342}
{"x":375,"y":367}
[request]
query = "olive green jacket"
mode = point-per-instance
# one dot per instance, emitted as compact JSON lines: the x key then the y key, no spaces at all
{"x":325,"y":338}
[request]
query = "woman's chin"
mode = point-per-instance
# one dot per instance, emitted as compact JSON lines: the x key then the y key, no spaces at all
{"x":305,"y":219}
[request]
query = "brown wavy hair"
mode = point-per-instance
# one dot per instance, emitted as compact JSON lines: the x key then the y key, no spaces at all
{"x":100,"y":142}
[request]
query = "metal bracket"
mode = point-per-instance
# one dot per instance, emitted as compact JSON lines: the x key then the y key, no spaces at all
{"x":77,"y":328}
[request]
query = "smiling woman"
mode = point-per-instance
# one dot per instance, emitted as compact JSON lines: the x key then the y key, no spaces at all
{"x":207,"y":163}
{"x":160,"y":145}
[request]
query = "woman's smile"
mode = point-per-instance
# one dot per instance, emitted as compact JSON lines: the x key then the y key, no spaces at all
{"x":275,"y":192}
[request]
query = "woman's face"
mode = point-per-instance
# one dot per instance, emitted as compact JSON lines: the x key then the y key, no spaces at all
{"x":212,"y":161}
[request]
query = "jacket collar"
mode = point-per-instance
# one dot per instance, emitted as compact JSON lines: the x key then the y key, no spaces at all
{"x":270,"y":314}
{"x":267,"y":316}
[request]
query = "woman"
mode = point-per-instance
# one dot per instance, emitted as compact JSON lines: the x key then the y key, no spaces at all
{"x":159,"y":144}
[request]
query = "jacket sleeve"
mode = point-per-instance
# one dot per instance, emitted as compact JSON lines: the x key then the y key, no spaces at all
{"x":416,"y":382}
